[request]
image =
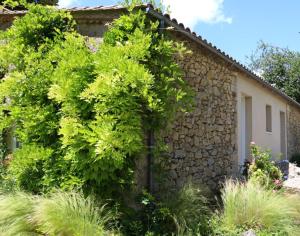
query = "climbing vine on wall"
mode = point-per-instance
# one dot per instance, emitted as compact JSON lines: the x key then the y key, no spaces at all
{"x":81,"y":110}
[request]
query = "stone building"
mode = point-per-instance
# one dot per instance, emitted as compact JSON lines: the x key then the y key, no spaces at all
{"x":233,"y":105}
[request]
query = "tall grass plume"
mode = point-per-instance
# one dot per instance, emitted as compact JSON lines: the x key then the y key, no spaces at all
{"x":250,"y":206}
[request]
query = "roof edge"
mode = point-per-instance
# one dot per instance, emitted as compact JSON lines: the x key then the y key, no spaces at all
{"x":198,"y":39}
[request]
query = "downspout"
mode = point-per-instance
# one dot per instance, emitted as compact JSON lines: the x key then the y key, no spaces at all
{"x":150,"y":157}
{"x":287,"y":130}
{"x":150,"y":133}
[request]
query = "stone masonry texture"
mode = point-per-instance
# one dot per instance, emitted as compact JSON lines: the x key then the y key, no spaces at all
{"x":293,"y":131}
{"x":202,"y":143}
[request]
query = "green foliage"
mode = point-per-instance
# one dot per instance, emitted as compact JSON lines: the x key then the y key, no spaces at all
{"x":250,"y":206}
{"x":2,"y":148}
{"x":28,"y":76}
{"x":263,"y":170}
{"x":70,"y":214}
{"x":184,"y":212}
{"x":85,"y":108}
{"x":157,"y":4}
{"x":278,"y":66}
{"x":295,"y":159}
{"x":171,"y":91}
{"x":190,"y":209}
{"x":22,"y":4}
{"x":6,"y":184}
{"x":36,"y":30}
{"x":15,"y":214}
{"x":26,"y":167}
{"x":2,"y":157}
{"x":153,"y":218}
{"x":60,"y":213}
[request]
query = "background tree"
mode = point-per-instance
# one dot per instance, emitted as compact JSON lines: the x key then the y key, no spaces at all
{"x":278,"y":66}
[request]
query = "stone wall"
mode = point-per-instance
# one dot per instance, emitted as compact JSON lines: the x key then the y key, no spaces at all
{"x":293,"y":131}
{"x":202,"y":144}
{"x":5,"y":22}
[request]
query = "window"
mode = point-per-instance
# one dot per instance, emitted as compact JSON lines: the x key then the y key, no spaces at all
{"x":268,"y":118}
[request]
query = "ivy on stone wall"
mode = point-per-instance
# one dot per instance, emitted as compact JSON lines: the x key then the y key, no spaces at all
{"x":81,"y":110}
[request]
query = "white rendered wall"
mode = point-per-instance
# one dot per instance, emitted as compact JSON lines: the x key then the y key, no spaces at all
{"x":261,"y":97}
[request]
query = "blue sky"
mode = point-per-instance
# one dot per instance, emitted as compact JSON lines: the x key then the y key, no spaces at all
{"x":234,"y":26}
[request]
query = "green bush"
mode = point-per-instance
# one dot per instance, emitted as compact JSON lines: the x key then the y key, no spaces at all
{"x":263,"y":170}
{"x":184,"y":212}
{"x":7,"y":184}
{"x":39,"y":26}
{"x":151,"y":217}
{"x":295,"y":159}
{"x":26,"y":168}
{"x":190,"y":209}
{"x":68,"y":214}
{"x":250,"y":206}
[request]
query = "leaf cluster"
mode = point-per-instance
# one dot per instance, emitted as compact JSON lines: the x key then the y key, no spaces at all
{"x":24,"y":4}
{"x":263,"y":170}
{"x":182,"y":212}
{"x":81,"y":110}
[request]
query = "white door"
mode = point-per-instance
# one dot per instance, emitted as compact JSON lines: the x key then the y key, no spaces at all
{"x":283,"y":136}
{"x":243,"y":131}
{"x":246,"y":127}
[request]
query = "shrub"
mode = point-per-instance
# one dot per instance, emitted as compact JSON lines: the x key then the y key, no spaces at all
{"x":151,"y":217}
{"x":190,"y":209}
{"x":185,"y":212}
{"x":61,"y":213}
{"x":263,"y":170}
{"x":7,"y":184}
{"x":295,"y":159}
{"x":27,"y":167}
{"x":39,"y":26}
{"x":250,"y":206}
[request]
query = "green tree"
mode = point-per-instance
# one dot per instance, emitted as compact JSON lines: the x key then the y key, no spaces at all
{"x":81,"y":110}
{"x":278,"y":66}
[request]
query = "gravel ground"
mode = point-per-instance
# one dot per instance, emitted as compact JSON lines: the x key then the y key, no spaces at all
{"x":293,"y":181}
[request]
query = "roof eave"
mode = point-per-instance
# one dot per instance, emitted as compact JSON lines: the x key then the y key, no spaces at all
{"x":186,"y":32}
